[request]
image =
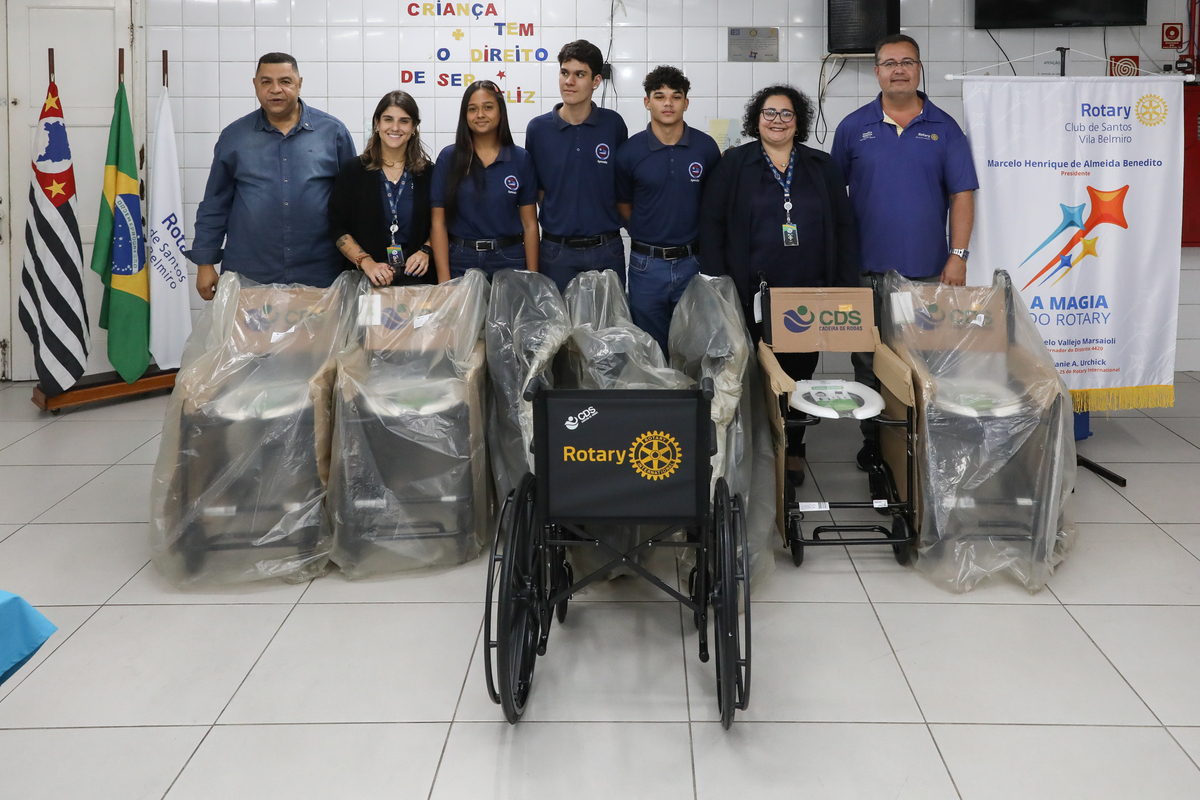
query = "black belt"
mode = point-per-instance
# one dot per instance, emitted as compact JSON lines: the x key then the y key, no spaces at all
{"x":668,"y":253}
{"x":581,"y":242}
{"x":487,"y":244}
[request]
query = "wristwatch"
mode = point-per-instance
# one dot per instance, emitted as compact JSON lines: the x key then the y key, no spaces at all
{"x":426,"y":249}
{"x":961,"y":253}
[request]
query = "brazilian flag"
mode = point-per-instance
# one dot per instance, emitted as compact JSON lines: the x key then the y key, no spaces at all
{"x":119,"y":257}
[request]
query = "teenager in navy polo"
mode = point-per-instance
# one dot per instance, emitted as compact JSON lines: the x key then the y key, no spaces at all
{"x":908,"y":166}
{"x":661,"y":173}
{"x":484,"y":193}
{"x":574,"y":150}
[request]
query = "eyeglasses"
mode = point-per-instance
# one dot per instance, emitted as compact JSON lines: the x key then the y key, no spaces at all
{"x":786,"y":115}
{"x":907,"y":64}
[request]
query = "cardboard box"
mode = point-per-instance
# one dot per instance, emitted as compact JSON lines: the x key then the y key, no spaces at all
{"x":895,"y":377}
{"x":818,"y":320}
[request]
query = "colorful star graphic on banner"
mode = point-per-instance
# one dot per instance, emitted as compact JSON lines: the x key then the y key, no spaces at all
{"x":55,"y":188}
{"x":51,"y":102}
{"x":1072,"y":218}
{"x":1088,"y":249}
{"x":1107,"y":207}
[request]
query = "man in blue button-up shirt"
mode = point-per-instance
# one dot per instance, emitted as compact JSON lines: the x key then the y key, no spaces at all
{"x":268,"y":189}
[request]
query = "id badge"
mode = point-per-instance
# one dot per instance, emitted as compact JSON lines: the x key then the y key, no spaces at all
{"x":395,"y":256}
{"x":790,"y":236}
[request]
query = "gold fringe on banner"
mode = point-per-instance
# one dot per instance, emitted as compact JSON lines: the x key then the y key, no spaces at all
{"x":1128,"y":397}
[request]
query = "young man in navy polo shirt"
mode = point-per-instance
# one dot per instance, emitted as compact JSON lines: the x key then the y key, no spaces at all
{"x":661,"y":173}
{"x":574,"y":150}
{"x":908,"y":166}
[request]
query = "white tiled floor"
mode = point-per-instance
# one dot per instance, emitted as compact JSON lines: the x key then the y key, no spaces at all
{"x":869,"y":680}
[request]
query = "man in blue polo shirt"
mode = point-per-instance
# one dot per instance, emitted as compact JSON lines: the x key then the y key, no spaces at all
{"x":574,"y":150}
{"x":661,"y":173}
{"x":265,"y":212}
{"x":908,"y":166}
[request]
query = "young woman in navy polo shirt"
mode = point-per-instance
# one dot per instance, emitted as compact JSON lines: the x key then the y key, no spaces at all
{"x":776,"y":208}
{"x":484,"y":193}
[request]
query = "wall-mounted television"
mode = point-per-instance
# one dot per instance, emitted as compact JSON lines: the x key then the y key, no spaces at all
{"x":1058,"y":13}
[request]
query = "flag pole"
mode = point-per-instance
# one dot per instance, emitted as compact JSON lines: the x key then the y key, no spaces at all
{"x":121,"y":65}
{"x":50,"y":50}
{"x":165,"y":69}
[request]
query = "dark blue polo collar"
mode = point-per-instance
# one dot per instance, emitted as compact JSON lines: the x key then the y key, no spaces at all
{"x":505,"y":153}
{"x":562,"y":123}
{"x":929,"y":111}
{"x":653,"y":143}
{"x":261,"y":123}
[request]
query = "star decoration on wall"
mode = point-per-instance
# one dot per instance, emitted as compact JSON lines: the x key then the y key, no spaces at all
{"x":500,"y":74}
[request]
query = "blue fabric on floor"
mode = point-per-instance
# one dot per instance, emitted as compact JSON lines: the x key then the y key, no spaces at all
{"x":23,"y":630}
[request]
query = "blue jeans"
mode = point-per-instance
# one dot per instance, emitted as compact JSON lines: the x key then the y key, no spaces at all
{"x":490,"y":261}
{"x":655,"y":286}
{"x":561,"y":263}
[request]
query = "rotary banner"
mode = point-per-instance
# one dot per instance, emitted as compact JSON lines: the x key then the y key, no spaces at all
{"x":1080,"y":199}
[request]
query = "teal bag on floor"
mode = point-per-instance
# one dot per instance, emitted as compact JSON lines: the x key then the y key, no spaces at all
{"x":23,"y":630}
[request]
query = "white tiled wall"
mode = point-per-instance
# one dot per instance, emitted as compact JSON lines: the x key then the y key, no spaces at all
{"x":353,"y":51}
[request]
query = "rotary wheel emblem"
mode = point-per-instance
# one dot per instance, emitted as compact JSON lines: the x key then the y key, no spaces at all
{"x":1151,"y":110}
{"x":655,"y":455}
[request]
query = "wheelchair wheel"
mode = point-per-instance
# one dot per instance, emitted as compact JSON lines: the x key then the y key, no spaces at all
{"x":796,"y":542}
{"x":902,"y":530}
{"x":564,"y":576}
{"x":519,"y":602}
{"x":731,"y":586}
{"x":503,"y":525}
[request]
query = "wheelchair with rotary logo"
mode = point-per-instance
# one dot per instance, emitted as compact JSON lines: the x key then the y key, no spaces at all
{"x":616,"y":458}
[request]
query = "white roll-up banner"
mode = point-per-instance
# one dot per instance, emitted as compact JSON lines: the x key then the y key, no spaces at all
{"x":1081,"y":199}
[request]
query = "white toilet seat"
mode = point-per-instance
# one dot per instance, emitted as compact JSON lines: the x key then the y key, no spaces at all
{"x":836,"y":399}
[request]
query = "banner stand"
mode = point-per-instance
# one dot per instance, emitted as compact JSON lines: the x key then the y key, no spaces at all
{"x":104,"y":386}
{"x":1149,"y":395}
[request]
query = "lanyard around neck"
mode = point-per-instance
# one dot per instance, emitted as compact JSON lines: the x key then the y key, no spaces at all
{"x":394,"y":201}
{"x":785,"y":183}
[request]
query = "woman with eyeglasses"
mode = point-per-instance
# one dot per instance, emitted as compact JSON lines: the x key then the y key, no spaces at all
{"x":379,"y":206}
{"x":777,"y":210}
{"x":484,"y":193}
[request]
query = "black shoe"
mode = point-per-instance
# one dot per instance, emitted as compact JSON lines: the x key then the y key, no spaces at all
{"x":795,"y":471}
{"x":869,"y":457}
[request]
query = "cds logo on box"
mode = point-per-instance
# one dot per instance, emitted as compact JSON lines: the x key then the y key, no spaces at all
{"x":261,"y":319}
{"x":929,"y":317}
{"x":798,"y":320}
{"x":395,"y":318}
{"x":583,"y":416}
{"x":603,"y":151}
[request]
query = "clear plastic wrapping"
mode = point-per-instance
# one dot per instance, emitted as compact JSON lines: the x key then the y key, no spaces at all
{"x":709,"y":339}
{"x":605,"y":349}
{"x":527,"y":324}
{"x":238,"y":489}
{"x":996,"y":449}
{"x":409,"y":480}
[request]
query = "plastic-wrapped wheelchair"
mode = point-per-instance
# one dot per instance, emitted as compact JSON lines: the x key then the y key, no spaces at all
{"x":616,"y":457}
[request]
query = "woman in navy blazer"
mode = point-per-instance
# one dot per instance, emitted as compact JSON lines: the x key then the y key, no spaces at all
{"x":777,"y":210}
